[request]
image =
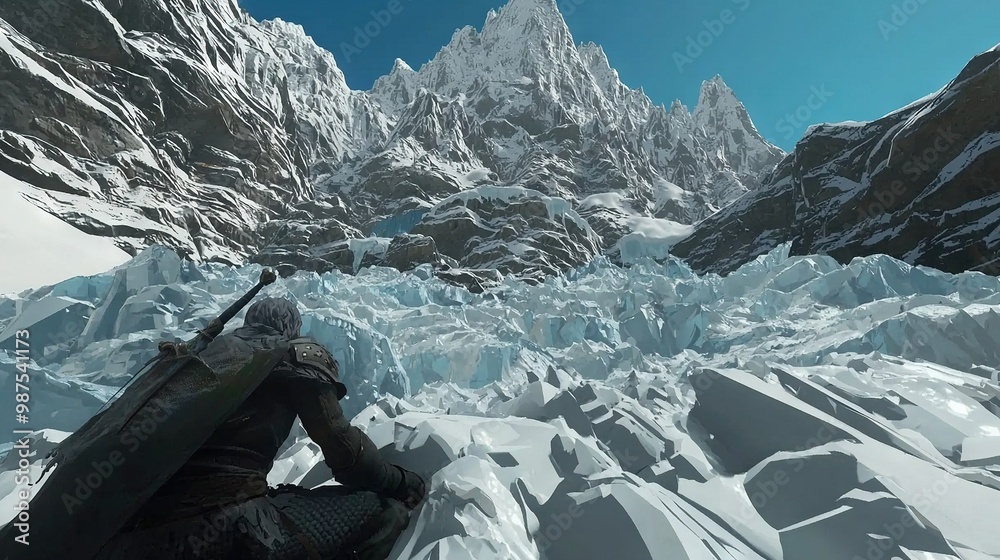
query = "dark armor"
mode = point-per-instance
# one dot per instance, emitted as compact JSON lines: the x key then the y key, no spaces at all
{"x":314,"y":359}
{"x":141,"y":437}
{"x":218,"y":504}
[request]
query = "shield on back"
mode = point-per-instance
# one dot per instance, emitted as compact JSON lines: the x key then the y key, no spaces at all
{"x":105,"y":471}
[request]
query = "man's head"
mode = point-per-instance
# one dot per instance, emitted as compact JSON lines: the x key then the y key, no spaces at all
{"x":277,"y":313}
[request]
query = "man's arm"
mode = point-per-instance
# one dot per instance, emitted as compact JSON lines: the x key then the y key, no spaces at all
{"x":349,"y":452}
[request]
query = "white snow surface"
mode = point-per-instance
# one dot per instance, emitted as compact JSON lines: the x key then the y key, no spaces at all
{"x":38,"y":248}
{"x":647,"y":236}
{"x":651,"y":237}
{"x":797,"y":408}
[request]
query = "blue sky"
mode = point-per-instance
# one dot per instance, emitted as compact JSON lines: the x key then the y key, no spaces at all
{"x":792,"y":62}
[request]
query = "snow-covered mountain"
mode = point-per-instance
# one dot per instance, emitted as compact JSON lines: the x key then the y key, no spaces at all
{"x":795,"y":409}
{"x":188,"y":123}
{"x":921,"y":184}
{"x":154,"y":121}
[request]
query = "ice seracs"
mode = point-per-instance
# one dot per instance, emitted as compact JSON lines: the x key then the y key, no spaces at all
{"x":795,"y":408}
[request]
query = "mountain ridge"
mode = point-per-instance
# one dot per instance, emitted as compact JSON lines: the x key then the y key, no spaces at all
{"x":249,"y":136}
{"x":918,"y":184}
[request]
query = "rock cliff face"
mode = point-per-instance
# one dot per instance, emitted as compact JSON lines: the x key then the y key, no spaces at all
{"x":921,"y":184}
{"x":149,"y":121}
{"x":188,"y":123}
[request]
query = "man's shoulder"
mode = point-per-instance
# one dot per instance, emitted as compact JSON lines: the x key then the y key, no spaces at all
{"x":307,"y":358}
{"x":307,"y":351}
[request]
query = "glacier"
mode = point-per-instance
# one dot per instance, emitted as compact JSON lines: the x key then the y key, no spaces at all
{"x":795,"y":408}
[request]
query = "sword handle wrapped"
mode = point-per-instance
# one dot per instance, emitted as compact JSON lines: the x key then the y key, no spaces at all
{"x":215,"y":327}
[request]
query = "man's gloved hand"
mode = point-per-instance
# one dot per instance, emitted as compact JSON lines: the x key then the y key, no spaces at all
{"x":411,"y":489}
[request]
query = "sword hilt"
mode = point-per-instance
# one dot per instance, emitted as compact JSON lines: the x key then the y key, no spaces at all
{"x":215,"y":326}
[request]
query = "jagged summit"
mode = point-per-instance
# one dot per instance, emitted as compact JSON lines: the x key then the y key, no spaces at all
{"x":544,"y":11}
{"x":524,"y":67}
{"x":721,"y":116}
{"x":715,"y":92}
{"x":715,"y":80}
{"x":400,"y":65}
{"x":288,"y":27}
{"x":518,"y":104}
{"x":600,"y":68}
{"x":914,"y":184}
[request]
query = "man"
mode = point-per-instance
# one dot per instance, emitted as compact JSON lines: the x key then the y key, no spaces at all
{"x":218,"y":505}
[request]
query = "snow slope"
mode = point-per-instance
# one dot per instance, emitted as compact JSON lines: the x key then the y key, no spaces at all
{"x":797,"y":408}
{"x":38,"y":248}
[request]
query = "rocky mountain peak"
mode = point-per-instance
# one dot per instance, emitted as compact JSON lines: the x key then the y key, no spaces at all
{"x":395,"y":89}
{"x":678,"y":108}
{"x":287,"y":28}
{"x":303,"y":58}
{"x":716,"y":96}
{"x":400,"y":66}
{"x":517,"y":104}
{"x":859,"y":188}
{"x":597,"y":63}
{"x":722,"y":119}
{"x":521,"y":12}
{"x":525,"y":39}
